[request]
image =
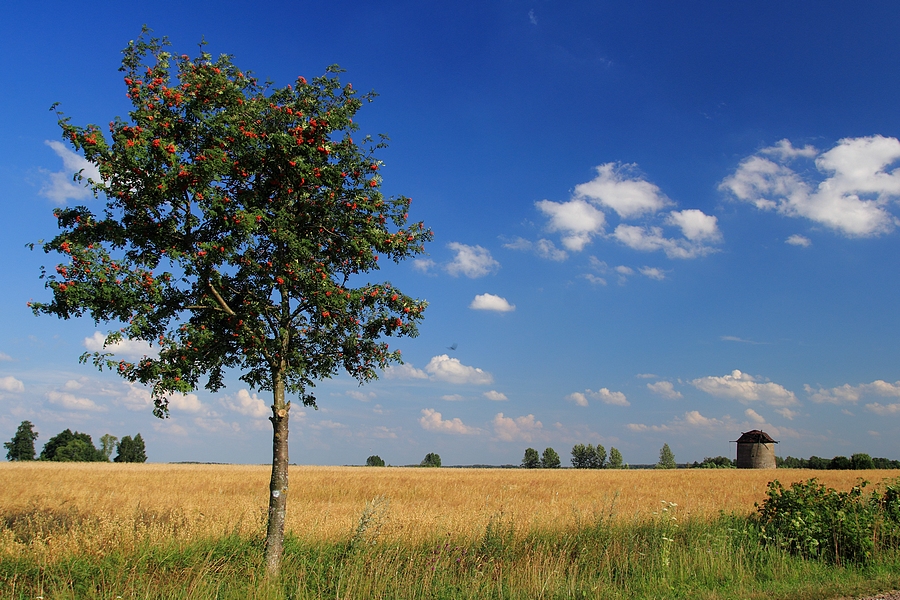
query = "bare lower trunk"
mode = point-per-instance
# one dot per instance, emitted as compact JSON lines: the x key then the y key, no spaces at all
{"x":278,"y":486}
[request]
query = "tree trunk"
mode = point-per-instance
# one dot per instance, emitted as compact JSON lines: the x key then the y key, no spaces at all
{"x":278,"y":486}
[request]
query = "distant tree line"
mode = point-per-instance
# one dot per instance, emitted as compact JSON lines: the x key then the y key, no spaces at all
{"x":68,"y":446}
{"x":583,"y":457}
{"x":719,"y":462}
{"x":856,"y":462}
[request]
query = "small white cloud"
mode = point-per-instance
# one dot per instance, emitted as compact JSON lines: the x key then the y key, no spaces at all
{"x":133,"y":349}
{"x":510,"y":429}
{"x":11,"y":384}
{"x":452,"y":398}
{"x":664,"y":389}
{"x":73,"y":402}
{"x":577,"y":220}
{"x":185,"y":402}
{"x":754,"y":416}
{"x":531,"y":18}
{"x":884,"y":409}
{"x":361,"y":396}
{"x":594,"y":279}
{"x":652,"y":239}
{"x":603,"y":395}
{"x":431,"y":420}
{"x":451,"y":370}
{"x":616,"y":188}
{"x":695,"y":225}
{"x":851,"y":394}
{"x":404,"y":371}
{"x":4,"y":357}
{"x":623,"y":270}
{"x":247,"y":404}
{"x":491,"y":302}
{"x":744,"y":388}
{"x":787,"y":413}
{"x":61,"y":186}
{"x":798,"y":240}
{"x":471,"y":261}
{"x":495,"y":396}
{"x":423,"y":265}
{"x":652,"y":273}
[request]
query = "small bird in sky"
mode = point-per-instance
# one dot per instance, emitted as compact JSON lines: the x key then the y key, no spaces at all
{"x":453,"y":347}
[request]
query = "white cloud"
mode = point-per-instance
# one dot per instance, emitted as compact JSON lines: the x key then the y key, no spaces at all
{"x":4,"y":357}
{"x":754,"y":416}
{"x":651,"y":239}
{"x":491,"y":302}
{"x":603,"y":395}
{"x":423,"y":265}
{"x":452,"y":398}
{"x":884,"y":409}
{"x":135,"y":398}
{"x":744,"y":388}
{"x":444,"y":368}
{"x":186,"y":402}
{"x":495,"y":396}
{"x":404,"y":371}
{"x":798,"y":240}
{"x":787,"y":413}
{"x":73,"y":402}
{"x":623,"y":270}
{"x":850,"y":394}
{"x":247,"y":404}
{"x":471,"y":261}
{"x":133,"y":349}
{"x":854,"y":187}
{"x":544,"y":248}
{"x":689,"y":421}
{"x":61,"y":186}
{"x":510,"y":429}
{"x":431,"y":420}
{"x":695,"y":225}
{"x":594,"y":279}
{"x":361,"y":396}
{"x":665,"y":389}
{"x":214,"y":424}
{"x":628,"y":196}
{"x":693,"y":418}
{"x":577,"y":221}
{"x":11,"y":384}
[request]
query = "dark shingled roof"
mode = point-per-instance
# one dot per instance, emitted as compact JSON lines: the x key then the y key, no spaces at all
{"x":755,"y":437}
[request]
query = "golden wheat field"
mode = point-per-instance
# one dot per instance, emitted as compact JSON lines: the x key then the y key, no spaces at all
{"x":89,"y":508}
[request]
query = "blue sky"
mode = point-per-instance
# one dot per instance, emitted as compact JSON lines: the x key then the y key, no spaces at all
{"x":654,"y":223}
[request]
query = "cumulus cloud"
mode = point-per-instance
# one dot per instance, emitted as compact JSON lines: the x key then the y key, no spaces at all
{"x":744,"y":388}
{"x":70,"y":401}
{"x":799,"y":240}
{"x":510,"y":429}
{"x":851,"y":394}
{"x":471,"y":261}
{"x":754,"y":416}
{"x":185,"y":402}
{"x":690,"y":421}
{"x":431,"y":420}
{"x":652,"y":273}
{"x":495,"y":396}
{"x":61,"y":186}
{"x":664,"y":389}
{"x":451,"y":370}
{"x":361,"y":396}
{"x":247,"y":404}
{"x":544,"y":248}
{"x":133,"y":349}
{"x":11,"y":384}
{"x":423,"y":265}
{"x":884,"y":409}
{"x":850,"y":190}
{"x":603,"y":395}
{"x":787,"y":413}
{"x":491,"y":302}
{"x":617,"y":188}
{"x":404,"y":371}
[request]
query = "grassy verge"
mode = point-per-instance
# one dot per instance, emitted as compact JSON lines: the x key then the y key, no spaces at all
{"x":600,"y":558}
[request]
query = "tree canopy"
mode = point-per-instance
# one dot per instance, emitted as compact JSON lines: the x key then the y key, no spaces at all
{"x":238,"y":220}
{"x":21,"y":446}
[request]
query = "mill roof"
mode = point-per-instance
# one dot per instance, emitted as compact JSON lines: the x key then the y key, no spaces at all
{"x":755,"y":437}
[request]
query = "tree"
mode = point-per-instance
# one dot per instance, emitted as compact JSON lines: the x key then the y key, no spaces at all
{"x":840,"y":463}
{"x":615,"y":459}
{"x":108,"y":444}
{"x":861,"y":461}
{"x":666,"y":458}
{"x":588,"y":457}
{"x":71,"y":447}
{"x":599,"y":459}
{"x":374,"y":461}
{"x":532,"y":459}
{"x":719,"y":462}
{"x":238,"y":220}
{"x":550,"y":459}
{"x":431,"y":460}
{"x":21,"y":446}
{"x":130,"y":450}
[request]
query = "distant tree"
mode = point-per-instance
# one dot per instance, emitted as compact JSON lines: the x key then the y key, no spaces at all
{"x":666,"y":458}
{"x":861,"y":461}
{"x":789,"y":462}
{"x":532,"y":459}
{"x":374,"y":461}
{"x":85,"y":452}
{"x":615,"y":459}
{"x":580,"y":457}
{"x":431,"y":459}
{"x":719,"y":462}
{"x":816,"y":462}
{"x":131,"y":450}
{"x":550,"y":459}
{"x":108,"y":444}
{"x":839,"y":463}
{"x":886,"y":463}
{"x":21,"y":446}
{"x":599,"y":459}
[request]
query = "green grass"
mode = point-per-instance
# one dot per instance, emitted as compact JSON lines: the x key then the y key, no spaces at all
{"x":663,"y":558}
